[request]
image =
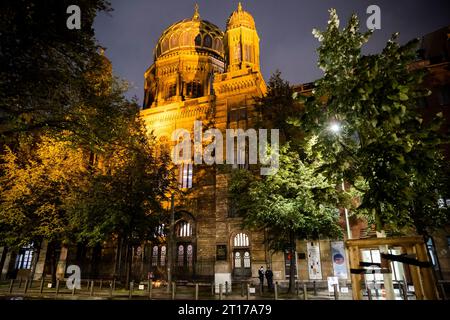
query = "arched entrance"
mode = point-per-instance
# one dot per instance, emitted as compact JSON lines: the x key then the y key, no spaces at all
{"x":242,"y":267}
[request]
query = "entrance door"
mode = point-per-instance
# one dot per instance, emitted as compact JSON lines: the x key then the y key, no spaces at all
{"x":242,"y":263}
{"x":184,"y":260}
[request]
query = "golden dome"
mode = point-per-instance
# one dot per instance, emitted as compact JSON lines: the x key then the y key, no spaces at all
{"x":192,"y":33}
{"x":240,"y":18}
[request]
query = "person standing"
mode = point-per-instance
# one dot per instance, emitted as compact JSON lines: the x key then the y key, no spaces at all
{"x":269,"y":277}
{"x":261,"y":274}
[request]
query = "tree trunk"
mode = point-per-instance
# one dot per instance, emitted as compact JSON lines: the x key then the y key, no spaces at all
{"x":293,"y":264}
{"x":129,"y":260}
{"x":53,"y":262}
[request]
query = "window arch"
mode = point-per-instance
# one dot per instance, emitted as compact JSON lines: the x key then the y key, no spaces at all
{"x":241,"y":240}
{"x":198,"y":40}
{"x":207,"y":41}
{"x":165,"y":45}
{"x":184,"y":39}
{"x":184,"y":229}
{"x":218,"y":45}
{"x":174,"y":41}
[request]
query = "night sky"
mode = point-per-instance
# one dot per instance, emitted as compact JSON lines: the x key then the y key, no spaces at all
{"x":131,"y":31}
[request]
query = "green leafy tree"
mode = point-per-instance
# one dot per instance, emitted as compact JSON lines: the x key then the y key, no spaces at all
{"x":277,"y":106}
{"x":49,"y":74}
{"x":384,"y":147}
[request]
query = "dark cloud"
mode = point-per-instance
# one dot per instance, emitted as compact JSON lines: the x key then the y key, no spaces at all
{"x":130,"y":32}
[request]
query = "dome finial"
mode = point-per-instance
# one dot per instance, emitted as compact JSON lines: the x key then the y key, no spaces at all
{"x":239,"y":6}
{"x":196,"y":15}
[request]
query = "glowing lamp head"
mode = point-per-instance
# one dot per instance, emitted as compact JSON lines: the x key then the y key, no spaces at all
{"x":335,"y":127}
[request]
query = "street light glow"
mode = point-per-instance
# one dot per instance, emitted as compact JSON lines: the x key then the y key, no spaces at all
{"x":335,"y":127}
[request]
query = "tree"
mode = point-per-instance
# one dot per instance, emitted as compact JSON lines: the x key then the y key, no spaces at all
{"x":277,"y":106}
{"x":295,"y":203}
{"x":384,"y":147}
{"x":123,"y":198}
{"x":34,"y":188}
{"x":49,"y":74}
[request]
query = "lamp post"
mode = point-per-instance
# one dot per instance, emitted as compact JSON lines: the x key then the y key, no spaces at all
{"x":335,"y":127}
{"x":170,"y":243}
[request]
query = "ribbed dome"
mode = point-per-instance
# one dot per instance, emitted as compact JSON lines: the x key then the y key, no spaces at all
{"x":192,"y":33}
{"x":240,"y":18}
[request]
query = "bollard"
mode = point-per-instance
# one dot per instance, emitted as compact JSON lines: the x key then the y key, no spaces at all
{"x":25,"y":289}
{"x":74,"y":288}
{"x":305,"y":292}
{"x":314,"y":288}
{"x":242,"y":289}
{"x":101,"y":284}
{"x":57,"y":287}
{"x":369,"y":294}
{"x":212,"y":289}
{"x":31,"y":283}
{"x":248,"y":291}
{"x":11,"y":284}
{"x":196,"y":291}
{"x":405,"y":291}
{"x":220,"y":291}
{"x":111,"y":289}
{"x":131,"y":290}
{"x":114,"y":284}
{"x":336,"y":292}
{"x":42,"y":285}
{"x":297,"y":291}
{"x":20,"y":283}
{"x":276,"y":290}
{"x":226,"y":288}
{"x":173,"y":290}
{"x":91,"y":292}
{"x":150,"y":289}
{"x":444,"y":295}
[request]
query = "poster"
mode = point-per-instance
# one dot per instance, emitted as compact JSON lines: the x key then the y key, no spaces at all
{"x":338,"y":256}
{"x":314,"y":267}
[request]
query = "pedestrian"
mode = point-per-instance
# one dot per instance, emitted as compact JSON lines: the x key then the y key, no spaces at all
{"x":261,"y":274}
{"x":269,"y":277}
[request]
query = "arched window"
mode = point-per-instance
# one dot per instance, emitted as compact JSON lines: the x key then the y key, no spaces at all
{"x":180,"y":255}
{"x":194,"y":89}
{"x":246,"y":259}
{"x":162,"y":262}
{"x":185,"y":175}
{"x":198,"y":40}
{"x":218,"y":45}
{"x":189,"y":254}
{"x":184,"y":229}
{"x":165,"y":45}
{"x":171,"y":90}
{"x":237,"y":53}
{"x":185,"y":39}
{"x":207,"y":41}
{"x":241,"y":240}
{"x":237,"y":260}
{"x":155,"y":256}
{"x":174,"y":41}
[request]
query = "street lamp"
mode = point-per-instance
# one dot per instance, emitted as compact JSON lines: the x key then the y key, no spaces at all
{"x":335,"y":127}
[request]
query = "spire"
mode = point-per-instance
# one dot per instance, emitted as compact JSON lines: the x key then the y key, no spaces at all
{"x":240,"y":7}
{"x":196,"y":15}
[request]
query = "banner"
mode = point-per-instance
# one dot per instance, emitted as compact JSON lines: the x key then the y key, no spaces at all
{"x":314,"y":267}
{"x":338,"y":256}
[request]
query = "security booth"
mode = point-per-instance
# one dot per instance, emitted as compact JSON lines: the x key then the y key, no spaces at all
{"x":380,"y":263}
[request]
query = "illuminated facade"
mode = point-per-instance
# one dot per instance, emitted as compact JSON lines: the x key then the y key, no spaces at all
{"x":202,"y":73}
